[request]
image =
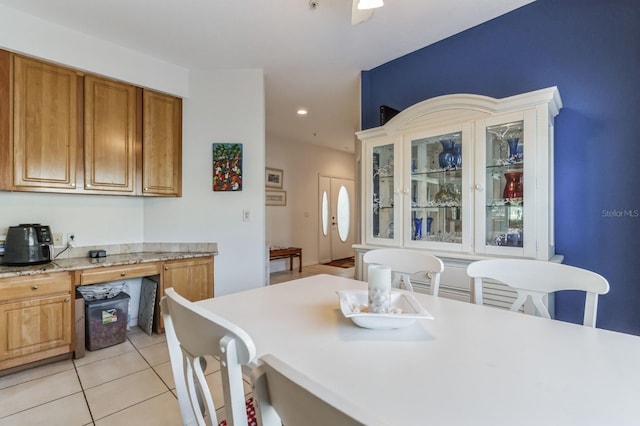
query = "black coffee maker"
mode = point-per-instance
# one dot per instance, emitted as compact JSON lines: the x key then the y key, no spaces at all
{"x":27,"y":244}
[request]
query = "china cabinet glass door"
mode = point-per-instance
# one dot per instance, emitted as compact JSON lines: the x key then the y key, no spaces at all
{"x":384,"y":183}
{"x":506,"y":154}
{"x":437,"y":209}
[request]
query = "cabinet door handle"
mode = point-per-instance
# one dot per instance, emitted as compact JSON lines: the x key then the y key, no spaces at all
{"x":35,"y":287}
{"x":166,"y":268}
{"x":67,"y":300}
{"x":122,"y":274}
{"x":478,"y":187}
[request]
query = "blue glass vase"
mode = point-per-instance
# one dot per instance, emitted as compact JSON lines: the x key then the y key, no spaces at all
{"x":417,"y":233}
{"x":447,"y":158}
{"x":458,"y":152}
{"x":513,"y":149}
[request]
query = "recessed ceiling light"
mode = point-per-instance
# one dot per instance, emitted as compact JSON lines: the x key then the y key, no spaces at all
{"x":302,"y":111}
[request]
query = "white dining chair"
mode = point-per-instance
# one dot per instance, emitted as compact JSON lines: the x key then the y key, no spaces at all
{"x":535,"y":279}
{"x":287,"y":397}
{"x":405,"y":263}
{"x":193,"y":333}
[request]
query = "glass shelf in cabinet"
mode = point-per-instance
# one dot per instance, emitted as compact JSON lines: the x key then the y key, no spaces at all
{"x":457,"y":172}
{"x":446,"y":237}
{"x":431,"y":207}
{"x":501,"y":168}
{"x":506,"y":202}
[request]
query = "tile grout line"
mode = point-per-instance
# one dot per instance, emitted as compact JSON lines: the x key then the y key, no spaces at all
{"x":84,"y":394}
{"x":149,"y":364}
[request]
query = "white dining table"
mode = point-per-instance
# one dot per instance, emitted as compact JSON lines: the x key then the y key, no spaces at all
{"x":469,"y":365}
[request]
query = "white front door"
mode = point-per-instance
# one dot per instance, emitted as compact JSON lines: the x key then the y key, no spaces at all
{"x":337,"y":213}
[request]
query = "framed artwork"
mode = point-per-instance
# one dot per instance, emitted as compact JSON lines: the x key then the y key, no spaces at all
{"x":273,"y":178}
{"x":275,"y":197}
{"x":227,"y":167}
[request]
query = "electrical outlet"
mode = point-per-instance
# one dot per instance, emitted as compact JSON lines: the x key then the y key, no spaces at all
{"x":71,"y":239}
{"x":246,"y":216}
{"x":57,"y":239}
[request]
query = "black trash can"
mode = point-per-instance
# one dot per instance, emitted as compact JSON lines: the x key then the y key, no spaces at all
{"x":106,"y":321}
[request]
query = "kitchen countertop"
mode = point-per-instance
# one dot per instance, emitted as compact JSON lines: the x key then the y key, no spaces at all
{"x":80,"y":263}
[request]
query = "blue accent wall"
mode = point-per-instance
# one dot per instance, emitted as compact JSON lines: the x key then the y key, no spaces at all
{"x":590,"y":49}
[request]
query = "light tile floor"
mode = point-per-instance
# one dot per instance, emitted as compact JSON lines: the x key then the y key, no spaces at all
{"x":127,"y":384}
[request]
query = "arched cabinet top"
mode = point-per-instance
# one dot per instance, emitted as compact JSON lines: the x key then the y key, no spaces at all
{"x":460,"y":106}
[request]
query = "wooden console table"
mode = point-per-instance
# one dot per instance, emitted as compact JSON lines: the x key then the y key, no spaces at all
{"x":289,"y":252}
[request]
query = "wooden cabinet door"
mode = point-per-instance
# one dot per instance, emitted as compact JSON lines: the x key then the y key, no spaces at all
{"x":35,"y":325}
{"x":191,"y":278}
{"x":109,"y":135}
{"x":6,"y":151}
{"x":35,"y":318}
{"x":45,"y":131}
{"x":161,"y":144}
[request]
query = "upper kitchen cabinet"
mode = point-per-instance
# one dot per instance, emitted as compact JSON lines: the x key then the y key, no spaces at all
{"x":63,"y":130}
{"x":109,"y":135}
{"x":45,"y":126}
{"x":465,"y":176}
{"x":161,"y":144}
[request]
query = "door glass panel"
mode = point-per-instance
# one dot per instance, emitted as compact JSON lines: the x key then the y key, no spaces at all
{"x":325,"y":213}
{"x":382,"y":202}
{"x":505,"y":185}
{"x":436,"y":182}
{"x":343,"y":214}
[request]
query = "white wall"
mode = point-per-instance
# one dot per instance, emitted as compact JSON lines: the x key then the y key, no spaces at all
{"x":35,"y":37}
{"x":297,"y":223}
{"x":224,"y":106}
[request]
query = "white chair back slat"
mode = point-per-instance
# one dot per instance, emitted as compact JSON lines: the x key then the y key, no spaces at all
{"x":192,"y":333}
{"x":534,"y":279}
{"x":404,"y":263}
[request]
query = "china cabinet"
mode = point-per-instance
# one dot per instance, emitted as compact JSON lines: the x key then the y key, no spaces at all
{"x":465,"y":177}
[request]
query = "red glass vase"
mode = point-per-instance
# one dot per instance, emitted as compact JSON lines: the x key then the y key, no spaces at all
{"x":513,"y":187}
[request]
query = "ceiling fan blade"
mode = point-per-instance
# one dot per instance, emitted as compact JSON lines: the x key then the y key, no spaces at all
{"x":359,"y":16}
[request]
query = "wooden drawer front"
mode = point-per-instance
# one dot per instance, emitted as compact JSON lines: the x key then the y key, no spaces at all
{"x":103,"y":275}
{"x":34,"y":286}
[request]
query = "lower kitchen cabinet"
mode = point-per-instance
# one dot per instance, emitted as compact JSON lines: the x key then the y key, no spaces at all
{"x":35,"y":318}
{"x":191,"y":278}
{"x":37,"y":311}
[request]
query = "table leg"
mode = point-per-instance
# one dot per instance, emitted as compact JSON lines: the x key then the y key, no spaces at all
{"x":300,"y":260}
{"x":291,"y":262}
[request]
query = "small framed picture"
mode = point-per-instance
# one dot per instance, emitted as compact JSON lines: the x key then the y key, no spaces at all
{"x":273,"y":178}
{"x":275,"y":197}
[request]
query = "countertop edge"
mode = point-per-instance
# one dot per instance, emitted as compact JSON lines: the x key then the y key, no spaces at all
{"x":83,"y":263}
